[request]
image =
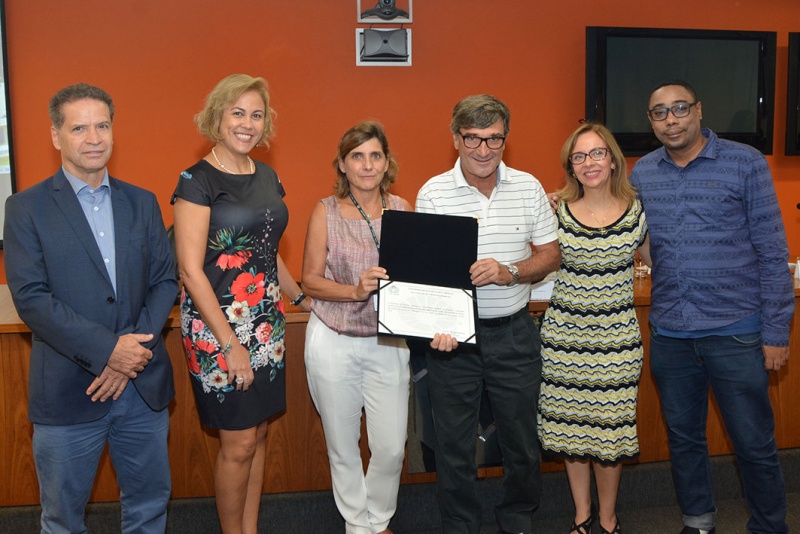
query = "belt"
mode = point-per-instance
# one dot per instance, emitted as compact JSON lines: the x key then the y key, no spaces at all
{"x":500,"y":321}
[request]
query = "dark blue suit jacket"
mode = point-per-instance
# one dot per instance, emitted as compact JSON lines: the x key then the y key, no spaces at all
{"x":62,"y":291}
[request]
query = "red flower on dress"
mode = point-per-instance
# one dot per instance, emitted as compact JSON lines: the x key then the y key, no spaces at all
{"x":205,"y":346}
{"x":221,"y":362}
{"x":248,"y":288}
{"x":233,"y":261}
{"x":234,"y":248}
{"x":191,"y":357}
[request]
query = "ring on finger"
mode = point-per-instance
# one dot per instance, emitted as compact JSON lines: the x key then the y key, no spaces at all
{"x":240,"y":380}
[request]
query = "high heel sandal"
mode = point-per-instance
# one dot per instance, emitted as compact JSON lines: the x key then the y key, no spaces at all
{"x":617,"y":529}
{"x":585,"y":527}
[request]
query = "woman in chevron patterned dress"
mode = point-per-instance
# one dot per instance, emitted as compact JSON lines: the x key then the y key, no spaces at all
{"x":591,"y":344}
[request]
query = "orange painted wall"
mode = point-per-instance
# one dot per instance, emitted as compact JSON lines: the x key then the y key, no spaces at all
{"x":158,"y":59}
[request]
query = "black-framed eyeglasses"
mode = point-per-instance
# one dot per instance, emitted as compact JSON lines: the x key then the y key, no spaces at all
{"x":596,"y":154}
{"x":678,"y":110}
{"x":473,"y":141}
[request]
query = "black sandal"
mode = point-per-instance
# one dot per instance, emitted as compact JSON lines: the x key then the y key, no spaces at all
{"x":617,"y":529}
{"x":585,"y":527}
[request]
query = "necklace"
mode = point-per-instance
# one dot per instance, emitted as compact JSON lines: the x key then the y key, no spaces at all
{"x":602,"y":223}
{"x":224,"y":168}
{"x":368,"y":217}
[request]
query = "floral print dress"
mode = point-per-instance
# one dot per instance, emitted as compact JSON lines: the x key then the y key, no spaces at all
{"x":248,"y":217}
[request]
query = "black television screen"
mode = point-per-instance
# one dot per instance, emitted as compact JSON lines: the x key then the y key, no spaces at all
{"x":733,"y":73}
{"x":793,"y":97}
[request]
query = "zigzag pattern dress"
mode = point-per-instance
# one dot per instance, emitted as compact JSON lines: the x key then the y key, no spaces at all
{"x":591,"y":343}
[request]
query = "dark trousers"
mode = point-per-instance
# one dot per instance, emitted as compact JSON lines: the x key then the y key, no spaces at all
{"x":734,"y":368}
{"x":66,"y":464}
{"x":508,"y":365}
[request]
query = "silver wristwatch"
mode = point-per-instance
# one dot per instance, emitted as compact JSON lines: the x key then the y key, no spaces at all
{"x":514,"y":274}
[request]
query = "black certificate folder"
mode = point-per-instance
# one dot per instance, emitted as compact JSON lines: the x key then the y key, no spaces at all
{"x":432,"y":253}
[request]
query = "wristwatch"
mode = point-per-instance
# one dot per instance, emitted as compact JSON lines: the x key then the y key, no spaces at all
{"x":514,"y":274}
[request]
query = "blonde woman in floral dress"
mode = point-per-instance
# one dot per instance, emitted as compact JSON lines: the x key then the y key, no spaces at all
{"x":229,"y":217}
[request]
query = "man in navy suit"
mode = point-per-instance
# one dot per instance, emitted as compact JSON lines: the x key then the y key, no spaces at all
{"x":90,"y":270}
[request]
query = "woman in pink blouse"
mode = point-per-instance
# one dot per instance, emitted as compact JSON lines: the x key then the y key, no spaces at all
{"x":348,"y":366}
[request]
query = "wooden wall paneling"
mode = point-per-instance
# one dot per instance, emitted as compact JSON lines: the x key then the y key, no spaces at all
{"x":649,"y":422}
{"x":192,"y":447}
{"x":297,"y":459}
{"x":16,"y":459}
{"x":296,"y":453}
{"x":785,"y":391}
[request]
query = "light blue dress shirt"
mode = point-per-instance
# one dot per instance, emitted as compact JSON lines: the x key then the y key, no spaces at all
{"x":96,"y":205}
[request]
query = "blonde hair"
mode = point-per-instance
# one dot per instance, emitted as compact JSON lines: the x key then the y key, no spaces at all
{"x":620,"y":185}
{"x":225,"y":94}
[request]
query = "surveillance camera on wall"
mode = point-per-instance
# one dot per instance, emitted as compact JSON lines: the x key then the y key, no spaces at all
{"x":386,"y":10}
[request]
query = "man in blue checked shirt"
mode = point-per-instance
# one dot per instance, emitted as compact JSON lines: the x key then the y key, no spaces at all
{"x":722,"y":303}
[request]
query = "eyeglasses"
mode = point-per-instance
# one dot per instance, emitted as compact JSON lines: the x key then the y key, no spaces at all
{"x":597,"y":154}
{"x":678,"y":110}
{"x":473,"y":141}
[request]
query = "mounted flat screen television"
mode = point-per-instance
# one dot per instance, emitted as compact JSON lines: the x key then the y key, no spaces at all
{"x":6,"y":153}
{"x":733,"y":73}
{"x":793,"y":97}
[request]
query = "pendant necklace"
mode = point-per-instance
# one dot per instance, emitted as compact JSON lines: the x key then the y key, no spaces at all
{"x":598,"y":221}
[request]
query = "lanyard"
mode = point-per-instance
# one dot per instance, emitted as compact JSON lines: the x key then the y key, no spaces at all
{"x":366,"y":218}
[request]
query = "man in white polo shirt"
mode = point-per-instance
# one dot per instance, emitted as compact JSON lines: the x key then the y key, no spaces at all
{"x":513,"y":214}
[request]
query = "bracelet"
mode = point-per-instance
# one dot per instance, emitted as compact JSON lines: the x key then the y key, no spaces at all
{"x":300,"y":298}
{"x":227,"y":350}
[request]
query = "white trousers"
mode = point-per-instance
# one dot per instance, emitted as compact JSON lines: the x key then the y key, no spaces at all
{"x":346,"y":374}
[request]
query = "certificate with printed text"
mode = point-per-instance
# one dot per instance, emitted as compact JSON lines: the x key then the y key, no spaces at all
{"x":419,"y":310}
{"x":427,"y":258}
